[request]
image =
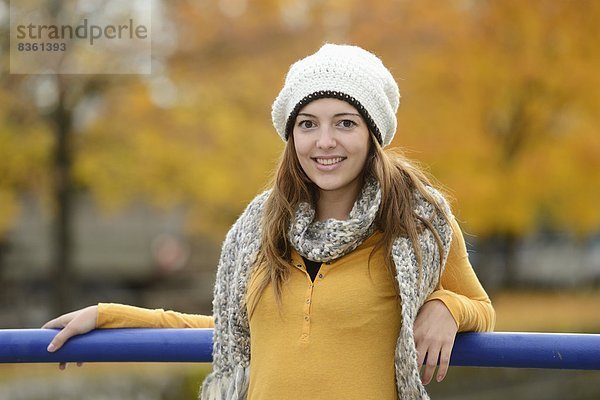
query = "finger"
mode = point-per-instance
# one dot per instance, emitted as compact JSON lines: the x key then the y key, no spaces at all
{"x":59,"y":340}
{"x":53,"y":324}
{"x":430,"y":365}
{"x":58,"y":322}
{"x":444,"y":362}
{"x":421,"y":353}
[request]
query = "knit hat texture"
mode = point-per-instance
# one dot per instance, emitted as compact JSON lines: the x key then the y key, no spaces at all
{"x":345,"y":72}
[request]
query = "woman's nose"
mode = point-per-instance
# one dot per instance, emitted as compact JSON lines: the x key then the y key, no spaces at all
{"x":326,"y":140}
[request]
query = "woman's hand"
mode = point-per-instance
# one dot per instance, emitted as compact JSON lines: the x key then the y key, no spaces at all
{"x":71,"y":324}
{"x":435,"y":330}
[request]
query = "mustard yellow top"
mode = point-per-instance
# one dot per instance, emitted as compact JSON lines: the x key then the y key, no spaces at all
{"x":111,"y":315}
{"x":348,"y":318}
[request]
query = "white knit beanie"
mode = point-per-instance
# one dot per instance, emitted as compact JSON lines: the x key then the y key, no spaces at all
{"x":347,"y":73}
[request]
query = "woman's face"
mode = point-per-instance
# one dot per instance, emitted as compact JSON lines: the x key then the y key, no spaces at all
{"x":332,"y":143}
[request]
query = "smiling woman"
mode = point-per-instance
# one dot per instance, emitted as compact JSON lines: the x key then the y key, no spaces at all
{"x":332,"y":142}
{"x":351,"y":243}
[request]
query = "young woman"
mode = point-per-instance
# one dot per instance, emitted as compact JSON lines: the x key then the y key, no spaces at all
{"x":344,"y":277}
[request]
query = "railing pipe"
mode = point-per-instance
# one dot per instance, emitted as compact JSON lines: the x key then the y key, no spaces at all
{"x":108,"y":345}
{"x":497,"y":349}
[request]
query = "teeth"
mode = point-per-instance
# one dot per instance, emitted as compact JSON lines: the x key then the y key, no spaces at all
{"x":328,"y":161}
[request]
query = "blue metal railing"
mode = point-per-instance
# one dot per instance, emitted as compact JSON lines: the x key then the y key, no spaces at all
{"x":498,"y":349}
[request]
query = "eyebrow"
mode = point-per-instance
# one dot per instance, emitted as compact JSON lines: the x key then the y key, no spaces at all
{"x":335,"y":115}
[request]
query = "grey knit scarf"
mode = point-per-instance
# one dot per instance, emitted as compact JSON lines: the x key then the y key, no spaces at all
{"x":324,"y":241}
{"x":320,"y":241}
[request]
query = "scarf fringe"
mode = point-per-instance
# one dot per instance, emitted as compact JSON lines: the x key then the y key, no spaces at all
{"x":226,"y":387}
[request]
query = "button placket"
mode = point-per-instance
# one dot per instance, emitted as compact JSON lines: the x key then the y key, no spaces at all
{"x":306,"y":309}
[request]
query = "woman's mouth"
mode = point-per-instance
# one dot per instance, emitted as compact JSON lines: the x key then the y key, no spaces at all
{"x":328,"y":163}
{"x":329,"y":160}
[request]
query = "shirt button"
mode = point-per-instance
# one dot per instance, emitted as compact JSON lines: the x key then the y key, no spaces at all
{"x":321,"y":276}
{"x":306,"y":318}
{"x":307,"y":301}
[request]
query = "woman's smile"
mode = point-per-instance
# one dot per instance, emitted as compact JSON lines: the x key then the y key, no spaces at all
{"x":328,"y":163}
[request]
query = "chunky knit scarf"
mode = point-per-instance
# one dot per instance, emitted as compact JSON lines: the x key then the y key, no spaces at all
{"x":320,"y":241}
{"x":324,"y":241}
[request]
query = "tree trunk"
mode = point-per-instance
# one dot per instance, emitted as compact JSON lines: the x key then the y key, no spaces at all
{"x":63,"y":277}
{"x":511,"y":271}
{"x":496,"y":261}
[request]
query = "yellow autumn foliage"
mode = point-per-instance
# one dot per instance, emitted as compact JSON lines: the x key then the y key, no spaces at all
{"x":500,"y":100}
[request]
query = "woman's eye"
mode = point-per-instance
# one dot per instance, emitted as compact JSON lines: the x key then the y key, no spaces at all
{"x":347,"y":123}
{"x":306,"y":124}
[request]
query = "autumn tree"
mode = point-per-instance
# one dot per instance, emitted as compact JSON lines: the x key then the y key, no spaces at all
{"x":501,"y":102}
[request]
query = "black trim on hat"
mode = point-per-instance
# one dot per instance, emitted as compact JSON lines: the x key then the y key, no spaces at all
{"x":336,"y":95}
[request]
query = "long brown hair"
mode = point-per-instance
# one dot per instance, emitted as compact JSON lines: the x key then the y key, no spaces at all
{"x":398,"y":179}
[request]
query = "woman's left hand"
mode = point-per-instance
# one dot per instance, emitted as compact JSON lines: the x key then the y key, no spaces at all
{"x":435,"y":330}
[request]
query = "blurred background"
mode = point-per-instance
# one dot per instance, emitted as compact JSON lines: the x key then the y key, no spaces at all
{"x":120,"y":188}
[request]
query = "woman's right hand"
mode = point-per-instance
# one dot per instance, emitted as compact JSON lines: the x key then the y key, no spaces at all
{"x":71,"y":324}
